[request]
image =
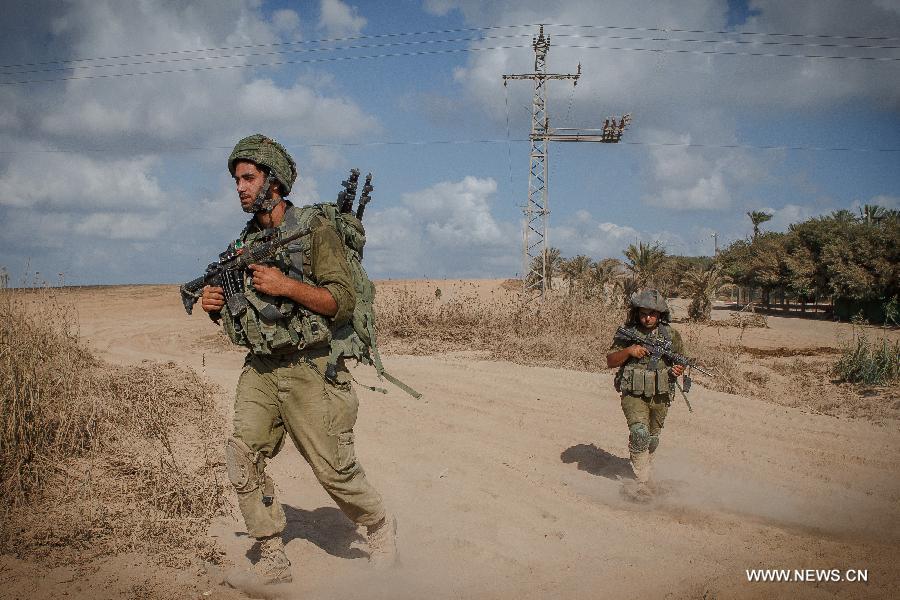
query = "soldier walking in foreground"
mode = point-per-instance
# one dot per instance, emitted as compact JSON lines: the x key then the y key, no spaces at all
{"x":647,"y":384}
{"x":292,"y":307}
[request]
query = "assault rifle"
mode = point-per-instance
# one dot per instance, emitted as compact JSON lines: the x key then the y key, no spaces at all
{"x":228,"y":271}
{"x":659,"y":349}
{"x":662,"y":349}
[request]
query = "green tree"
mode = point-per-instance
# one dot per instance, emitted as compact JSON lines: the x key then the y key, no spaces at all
{"x":767,"y":269}
{"x":851,"y":258}
{"x":575,"y":271}
{"x":645,"y":261}
{"x":554,"y":260}
{"x":606,"y":273}
{"x":757,"y":217}
{"x":702,"y":285}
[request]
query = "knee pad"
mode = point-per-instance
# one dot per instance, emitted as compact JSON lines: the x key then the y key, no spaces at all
{"x":654,"y":443}
{"x":246,"y":467}
{"x":639,"y":439}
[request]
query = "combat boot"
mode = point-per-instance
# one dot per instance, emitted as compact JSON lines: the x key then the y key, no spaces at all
{"x":273,"y":565}
{"x":382,"y":540}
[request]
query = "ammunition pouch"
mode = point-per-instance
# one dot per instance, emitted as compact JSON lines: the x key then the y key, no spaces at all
{"x":635,"y":380}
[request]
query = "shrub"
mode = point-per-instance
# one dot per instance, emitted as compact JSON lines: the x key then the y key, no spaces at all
{"x":869,"y":362}
{"x":95,"y":455}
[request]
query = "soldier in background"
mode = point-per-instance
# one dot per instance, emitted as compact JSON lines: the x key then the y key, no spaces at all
{"x":292,"y":308}
{"x":646,"y":388}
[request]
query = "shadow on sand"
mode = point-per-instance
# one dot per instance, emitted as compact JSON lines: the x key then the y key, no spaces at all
{"x":597,"y":461}
{"x":326,"y":527}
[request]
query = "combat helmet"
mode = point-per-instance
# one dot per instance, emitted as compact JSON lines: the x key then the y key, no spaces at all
{"x":651,"y":299}
{"x":264,"y":151}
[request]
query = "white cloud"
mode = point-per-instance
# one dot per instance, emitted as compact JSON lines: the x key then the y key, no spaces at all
{"x":689,"y":178}
{"x":286,"y":22}
{"x":457,"y":213}
{"x":116,"y":184}
{"x":197,"y":107}
{"x":339,"y":18}
{"x":708,"y":192}
{"x":325,"y":158}
{"x":891,"y":202}
{"x":119,"y":226}
{"x":617,"y":80}
{"x":785,"y":216}
{"x":301,"y":111}
{"x":446,"y":229}
{"x":306,"y":191}
{"x":583,"y":234}
{"x":72,"y":182}
{"x":439,"y":7}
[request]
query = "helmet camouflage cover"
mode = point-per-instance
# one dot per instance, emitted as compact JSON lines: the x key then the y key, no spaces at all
{"x":652,"y":300}
{"x":265,"y":151}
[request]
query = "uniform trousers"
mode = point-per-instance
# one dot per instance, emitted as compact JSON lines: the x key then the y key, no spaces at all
{"x":290,"y":395}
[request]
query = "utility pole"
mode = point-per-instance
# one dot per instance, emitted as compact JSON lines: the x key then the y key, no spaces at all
{"x":537,"y":209}
{"x":715,"y":236}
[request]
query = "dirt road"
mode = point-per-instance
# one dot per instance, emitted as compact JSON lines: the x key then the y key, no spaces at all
{"x":507,"y":481}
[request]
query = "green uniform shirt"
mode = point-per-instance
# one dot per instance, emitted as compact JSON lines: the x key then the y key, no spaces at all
{"x":330,"y":269}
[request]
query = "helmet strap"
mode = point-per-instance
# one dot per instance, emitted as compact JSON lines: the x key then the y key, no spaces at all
{"x":264,"y":202}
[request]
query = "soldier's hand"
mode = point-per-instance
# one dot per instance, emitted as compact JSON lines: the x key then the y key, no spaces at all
{"x":637,"y":351}
{"x":212,"y":299}
{"x":269,"y":280}
{"x":677,"y":370}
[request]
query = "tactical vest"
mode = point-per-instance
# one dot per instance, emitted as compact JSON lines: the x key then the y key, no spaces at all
{"x":638,"y":377}
{"x":273,"y":325}
{"x":277,"y":325}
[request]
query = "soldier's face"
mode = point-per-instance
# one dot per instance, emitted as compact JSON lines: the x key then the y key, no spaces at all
{"x":249,"y":181}
{"x":649,"y":318}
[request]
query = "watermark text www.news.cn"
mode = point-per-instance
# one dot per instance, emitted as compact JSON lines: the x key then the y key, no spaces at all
{"x":811,"y":575}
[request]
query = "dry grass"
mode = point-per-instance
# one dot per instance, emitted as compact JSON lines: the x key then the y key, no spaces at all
{"x":561,"y":332}
{"x":96,"y":458}
{"x":742,"y":320}
{"x":577,"y":333}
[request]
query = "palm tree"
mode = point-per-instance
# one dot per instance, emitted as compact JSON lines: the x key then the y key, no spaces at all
{"x":644,"y":262}
{"x":702,"y":285}
{"x":757,"y":217}
{"x":606,"y":272}
{"x":554,"y":259}
{"x":575,"y":271}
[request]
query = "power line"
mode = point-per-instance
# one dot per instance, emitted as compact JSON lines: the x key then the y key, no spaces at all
{"x":271,"y":64}
{"x":273,"y":53}
{"x":266,"y":45}
{"x":446,"y":51}
{"x":462,"y":30}
{"x":720,"y":32}
{"x":736,"y":53}
{"x":454,"y":50}
{"x":725,"y":41}
{"x":460,"y":142}
{"x":399,"y":43}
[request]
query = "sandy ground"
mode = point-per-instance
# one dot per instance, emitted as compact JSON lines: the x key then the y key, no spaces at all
{"x":507,"y":481}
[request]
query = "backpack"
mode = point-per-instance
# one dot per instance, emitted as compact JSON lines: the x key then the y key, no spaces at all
{"x":356,"y":338}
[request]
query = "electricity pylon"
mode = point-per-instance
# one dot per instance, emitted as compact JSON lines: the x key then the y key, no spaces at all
{"x":537,"y":209}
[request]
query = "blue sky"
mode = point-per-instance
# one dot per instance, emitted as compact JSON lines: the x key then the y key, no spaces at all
{"x":112,"y":177}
